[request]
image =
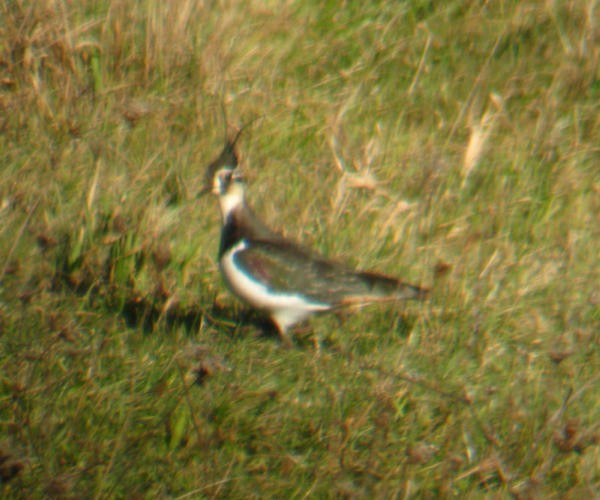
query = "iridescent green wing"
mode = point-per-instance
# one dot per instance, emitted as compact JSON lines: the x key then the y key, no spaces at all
{"x":288,"y":268}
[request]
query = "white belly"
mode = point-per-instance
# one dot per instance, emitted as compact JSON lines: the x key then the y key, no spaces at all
{"x":285,"y":308}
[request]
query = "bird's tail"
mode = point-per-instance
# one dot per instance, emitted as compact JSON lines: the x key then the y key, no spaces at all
{"x":379,"y":287}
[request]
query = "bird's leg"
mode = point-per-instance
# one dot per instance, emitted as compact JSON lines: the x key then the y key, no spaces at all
{"x":341,"y":316}
{"x":285,"y":338}
{"x":306,"y":330}
{"x":317,"y":345}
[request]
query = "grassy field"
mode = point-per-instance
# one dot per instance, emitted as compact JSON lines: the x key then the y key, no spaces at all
{"x":455,"y":144}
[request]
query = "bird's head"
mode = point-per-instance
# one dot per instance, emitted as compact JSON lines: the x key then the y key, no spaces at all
{"x":228,"y":185}
{"x":223,"y":178}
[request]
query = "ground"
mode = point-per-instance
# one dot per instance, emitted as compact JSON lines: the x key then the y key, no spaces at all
{"x":453,"y":144}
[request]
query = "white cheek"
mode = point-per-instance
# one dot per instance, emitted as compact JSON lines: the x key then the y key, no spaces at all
{"x":229,"y":202}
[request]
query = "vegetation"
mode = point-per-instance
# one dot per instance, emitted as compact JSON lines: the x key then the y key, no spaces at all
{"x":455,"y":144}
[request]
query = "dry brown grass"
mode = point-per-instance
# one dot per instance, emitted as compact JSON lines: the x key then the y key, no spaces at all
{"x":455,"y":145}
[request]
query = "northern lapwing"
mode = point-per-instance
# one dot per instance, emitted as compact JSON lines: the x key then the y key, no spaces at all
{"x":277,"y":276}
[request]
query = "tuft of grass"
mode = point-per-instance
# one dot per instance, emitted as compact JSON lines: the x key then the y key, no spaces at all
{"x":455,"y":145}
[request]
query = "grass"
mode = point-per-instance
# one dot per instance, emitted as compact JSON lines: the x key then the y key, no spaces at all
{"x":455,"y":145}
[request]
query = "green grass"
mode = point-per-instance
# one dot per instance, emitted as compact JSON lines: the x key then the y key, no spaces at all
{"x":455,"y":145}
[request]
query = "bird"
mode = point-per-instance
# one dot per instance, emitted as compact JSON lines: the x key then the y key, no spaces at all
{"x":275,"y":275}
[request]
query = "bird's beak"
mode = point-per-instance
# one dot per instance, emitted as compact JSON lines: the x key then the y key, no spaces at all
{"x":203,"y":192}
{"x":208,"y":181}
